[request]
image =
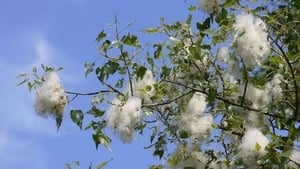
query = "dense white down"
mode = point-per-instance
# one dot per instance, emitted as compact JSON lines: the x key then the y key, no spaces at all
{"x":251,"y":39}
{"x":195,"y":122}
{"x":122,"y":117}
{"x":50,"y":97}
{"x":253,"y":143}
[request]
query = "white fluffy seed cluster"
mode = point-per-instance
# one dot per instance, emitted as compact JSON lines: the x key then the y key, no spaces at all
{"x":251,"y":39}
{"x":254,"y":143}
{"x":261,"y":97}
{"x":123,"y":116}
{"x":144,"y":88}
{"x":195,"y":122}
{"x":233,"y":67}
{"x":209,"y":6}
{"x":50,"y":97}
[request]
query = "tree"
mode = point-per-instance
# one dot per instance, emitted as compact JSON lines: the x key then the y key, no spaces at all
{"x":224,"y":90}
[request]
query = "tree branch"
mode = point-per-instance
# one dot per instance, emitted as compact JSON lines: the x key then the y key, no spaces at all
{"x":88,"y":94}
{"x":122,"y":56}
{"x":113,"y":89}
{"x":293,"y":76}
{"x":246,"y":82}
{"x":169,"y":101}
{"x":227,"y":101}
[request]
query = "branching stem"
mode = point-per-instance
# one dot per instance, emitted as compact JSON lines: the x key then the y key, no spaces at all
{"x":296,"y":112}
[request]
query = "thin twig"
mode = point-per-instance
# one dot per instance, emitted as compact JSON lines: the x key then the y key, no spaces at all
{"x":246,"y":83}
{"x":76,"y":94}
{"x":88,"y":94}
{"x":272,"y":125}
{"x":169,"y":101}
{"x":122,"y":56}
{"x":113,"y":89}
{"x":229,"y":129}
{"x":227,"y":101}
{"x":293,"y":76}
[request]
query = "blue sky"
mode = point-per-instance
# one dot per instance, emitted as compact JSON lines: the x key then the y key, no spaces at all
{"x":62,"y":33}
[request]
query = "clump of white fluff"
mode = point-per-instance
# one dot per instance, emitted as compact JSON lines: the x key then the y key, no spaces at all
{"x":197,"y":126}
{"x":295,"y":157}
{"x":261,"y":97}
{"x":144,"y":88}
{"x":273,"y":89}
{"x":254,"y":143}
{"x":50,"y":97}
{"x":251,"y":39}
{"x":233,"y":68}
{"x":123,"y":116}
{"x":253,"y":94}
{"x":233,"y":72}
{"x":195,"y":122}
{"x":223,"y":54}
{"x":209,"y":6}
{"x":197,"y":104}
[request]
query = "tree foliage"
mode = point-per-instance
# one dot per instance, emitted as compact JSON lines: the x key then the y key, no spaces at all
{"x":223,"y":89}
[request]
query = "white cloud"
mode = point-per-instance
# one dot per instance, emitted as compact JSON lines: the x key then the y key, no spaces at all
{"x":18,"y":102}
{"x":21,"y":130}
{"x":17,"y":152}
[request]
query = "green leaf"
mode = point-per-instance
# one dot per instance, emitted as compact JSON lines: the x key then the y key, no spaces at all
{"x":113,"y":66}
{"x":107,"y":69}
{"x":77,"y":117}
{"x":158,"y":51}
{"x":105,"y":46}
{"x":103,"y":164}
{"x":95,"y":112}
{"x":159,"y":153}
{"x":221,"y":18}
{"x":152,"y":30}
{"x":212,"y":94}
{"x":96,"y":125}
{"x":192,"y":8}
{"x":183,"y":134}
{"x":47,"y":68}
{"x":165,"y":72}
{"x":22,"y":75}
{"x":101,"y":138}
{"x":140,"y":127}
{"x":130,"y":40}
{"x":68,"y":166}
{"x":286,"y":153}
{"x":88,"y":68}
{"x":189,"y":20}
{"x":100,"y":36}
{"x":58,"y":120}
{"x":23,"y":81}
{"x":257,"y":147}
{"x":203,"y":26}
{"x":230,"y":3}
{"x":140,"y":71}
{"x":77,"y":163}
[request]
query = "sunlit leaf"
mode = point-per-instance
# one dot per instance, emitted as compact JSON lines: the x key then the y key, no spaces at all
{"x":100,"y":36}
{"x":95,"y":112}
{"x":103,"y":164}
{"x":77,"y":117}
{"x":88,"y":68}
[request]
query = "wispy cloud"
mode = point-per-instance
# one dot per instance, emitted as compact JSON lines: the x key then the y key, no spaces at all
{"x":18,"y":108}
{"x":20,"y":152}
{"x":21,"y":129}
